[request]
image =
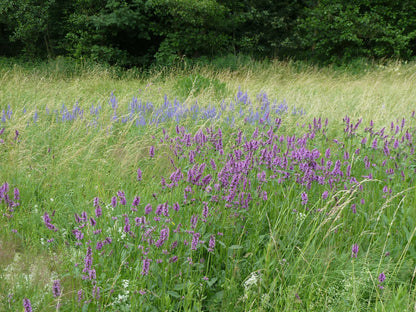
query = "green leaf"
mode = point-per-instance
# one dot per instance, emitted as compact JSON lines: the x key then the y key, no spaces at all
{"x":173,"y":293}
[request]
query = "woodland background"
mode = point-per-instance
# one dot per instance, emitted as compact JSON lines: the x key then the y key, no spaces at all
{"x":141,"y":33}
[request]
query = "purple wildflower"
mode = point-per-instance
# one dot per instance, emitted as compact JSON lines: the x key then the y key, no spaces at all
{"x":27,"y":305}
{"x":47,"y":220}
{"x":136,"y":201}
{"x":176,"y":206}
{"x":195,"y":241}
{"x":148,"y":209}
{"x":84,"y":216}
{"x":96,"y":292}
{"x":381,"y":277}
{"x":126,"y":224}
{"x":164,"y":235}
{"x":146,"y":266}
{"x":139,"y":175}
{"x":213,"y":165}
{"x":374,"y":144}
{"x":304,"y":197}
{"x":98,"y":211}
{"x":16,"y":194}
{"x":205,"y":210}
{"x":206,"y":179}
{"x":152,"y":151}
{"x":88,"y":261}
{"x":80,"y":295}
{"x":56,"y":289}
{"x":78,"y":234}
{"x":328,"y":153}
{"x":99,"y":245}
{"x":122,"y":197}
{"x":325,"y":195}
{"x":159,"y":209}
{"x":92,"y":274}
{"x":114,"y":201}
{"x":92,"y":221}
{"x":173,"y":259}
{"x":96,"y":201}
{"x":211,"y":243}
{"x":194,"y":221}
{"x":354,"y":251}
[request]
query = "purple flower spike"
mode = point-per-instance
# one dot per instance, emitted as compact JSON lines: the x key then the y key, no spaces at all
{"x":325,"y":195}
{"x":304,"y":197}
{"x":381,"y":277}
{"x":98,"y":211}
{"x":99,"y":245}
{"x":56,"y":289}
{"x":92,"y":221}
{"x":148,"y":209}
{"x":27,"y":305}
{"x":354,"y":251}
{"x":96,"y":292}
{"x":194,"y":221}
{"x":80,"y":295}
{"x":126,"y":224}
{"x":16,"y":194}
{"x":176,"y":206}
{"x":88,"y":260}
{"x":146,"y":266}
{"x":195,"y":241}
{"x":374,"y":144}
{"x":136,"y":201}
{"x":164,"y":235}
{"x":152,"y":151}
{"x":114,"y":201}
{"x":328,"y":153}
{"x":139,"y":175}
{"x":211,"y":243}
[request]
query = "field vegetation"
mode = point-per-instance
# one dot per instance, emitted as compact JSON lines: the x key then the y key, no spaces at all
{"x":230,"y":186}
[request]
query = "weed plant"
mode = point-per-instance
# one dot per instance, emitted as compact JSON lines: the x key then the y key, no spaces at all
{"x":117,"y":196}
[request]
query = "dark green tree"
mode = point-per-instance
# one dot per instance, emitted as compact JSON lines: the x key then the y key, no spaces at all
{"x":264,"y":28}
{"x":188,"y":28}
{"x":34,"y":26}
{"x":334,"y":31}
{"x":113,"y":31}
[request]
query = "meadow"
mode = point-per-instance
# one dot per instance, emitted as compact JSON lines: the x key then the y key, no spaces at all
{"x":270,"y":186}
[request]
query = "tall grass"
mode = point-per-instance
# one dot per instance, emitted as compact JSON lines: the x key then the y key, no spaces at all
{"x":128,"y":191}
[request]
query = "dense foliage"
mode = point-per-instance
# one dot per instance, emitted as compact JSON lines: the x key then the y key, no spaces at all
{"x":142,"y":32}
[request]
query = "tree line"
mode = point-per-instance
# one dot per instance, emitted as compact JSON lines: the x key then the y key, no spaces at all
{"x":145,"y":32}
